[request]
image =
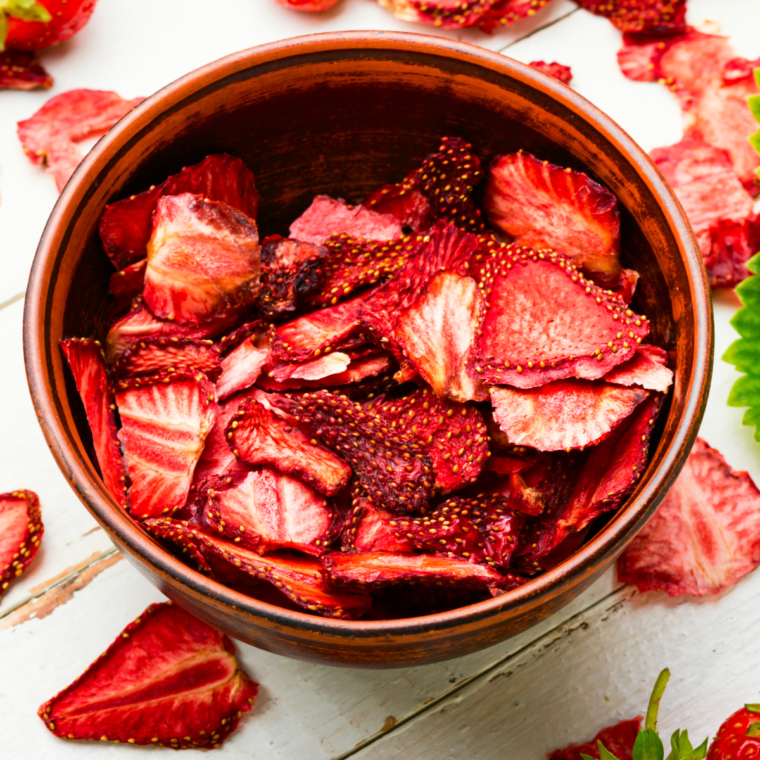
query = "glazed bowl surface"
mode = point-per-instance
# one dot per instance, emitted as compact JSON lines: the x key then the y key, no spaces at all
{"x":341,"y":114}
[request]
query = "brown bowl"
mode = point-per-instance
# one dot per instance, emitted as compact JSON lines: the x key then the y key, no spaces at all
{"x":341,"y":114}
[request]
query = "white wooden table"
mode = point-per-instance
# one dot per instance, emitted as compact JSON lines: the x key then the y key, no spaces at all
{"x":590,"y":665}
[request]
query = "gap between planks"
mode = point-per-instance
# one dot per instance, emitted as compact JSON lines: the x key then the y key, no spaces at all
{"x":12,"y":300}
{"x":549,"y":25}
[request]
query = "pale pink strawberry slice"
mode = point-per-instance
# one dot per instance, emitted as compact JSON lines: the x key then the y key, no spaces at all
{"x":704,"y":536}
{"x":564,"y":415}
{"x":20,"y":70}
{"x":203,"y":260}
{"x":544,"y":321}
{"x":641,"y":16}
{"x":647,"y":368}
{"x":126,"y":225}
{"x":165,"y":420}
{"x":85,"y":358}
{"x":243,"y":364}
{"x":327,"y":216}
{"x":168,"y":680}
{"x":21,"y":531}
{"x":150,"y":355}
{"x":542,"y":206}
{"x":258,"y":436}
{"x":264,"y":510}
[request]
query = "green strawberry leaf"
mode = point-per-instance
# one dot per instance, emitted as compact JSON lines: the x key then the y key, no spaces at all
{"x":754,"y":105}
{"x":24,"y":10}
{"x":753,"y":707}
{"x":648,"y":746}
{"x":753,"y":730}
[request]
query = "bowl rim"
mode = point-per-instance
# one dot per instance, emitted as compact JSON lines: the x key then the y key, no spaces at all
{"x":611,"y":538}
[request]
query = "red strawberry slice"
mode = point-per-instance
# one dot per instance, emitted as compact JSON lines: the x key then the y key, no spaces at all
{"x":311,"y":370}
{"x":371,"y":529}
{"x":50,"y":137}
{"x":740,"y":70}
{"x":564,"y":415}
{"x":544,"y":321}
{"x":543,"y":206}
{"x":647,"y":368}
{"x":737,"y":736}
{"x":393,"y":468}
{"x":556,"y":70}
{"x":179,"y":534}
{"x":85,"y":358}
{"x":168,"y":680}
{"x":150,"y":355}
{"x":128,"y":283}
{"x":446,"y":14}
{"x":326,"y":217}
{"x":242,"y":366}
{"x":455,"y":435}
{"x":165,"y":420}
{"x":641,"y":16}
{"x":20,"y":70}
{"x":378,"y":569}
{"x":126,"y":225}
{"x":203,"y":259}
{"x":258,"y":436}
{"x":618,"y":740}
{"x":506,"y":12}
{"x":21,"y":532}
{"x":404,"y":201}
{"x":705,"y":535}
{"x":265,"y":510}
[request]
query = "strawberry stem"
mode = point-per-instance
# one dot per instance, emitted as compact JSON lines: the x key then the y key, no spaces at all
{"x":654,"y":700}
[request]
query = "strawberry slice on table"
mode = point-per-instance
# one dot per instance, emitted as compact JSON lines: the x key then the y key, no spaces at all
{"x":203,"y":260}
{"x":563,"y":415}
{"x":150,"y":355}
{"x":641,"y":16}
{"x":704,"y":536}
{"x":87,"y":364}
{"x":505,"y":12}
{"x":21,"y":531}
{"x":50,"y":137}
{"x":310,"y":6}
{"x":617,"y":740}
{"x":542,"y":205}
{"x":20,"y":70}
{"x":33,"y":25}
{"x":258,"y":436}
{"x":738,"y":736}
{"x":327,"y":216}
{"x":165,"y":420}
{"x":168,"y":680}
{"x":557,"y":70}
{"x":647,"y":368}
{"x":543,"y":321}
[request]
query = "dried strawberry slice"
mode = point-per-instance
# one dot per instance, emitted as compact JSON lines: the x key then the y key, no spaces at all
{"x":647,"y":368}
{"x":564,"y":415}
{"x":641,"y":16}
{"x":126,"y":225}
{"x":179,"y":533}
{"x":455,"y":435}
{"x":168,"y":680}
{"x":404,"y":201}
{"x":378,"y":569}
{"x":393,"y":468}
{"x":371,"y":529}
{"x":150,"y":355}
{"x":85,"y":358}
{"x":20,"y":70}
{"x":21,"y":532}
{"x":506,"y":12}
{"x":556,"y":70}
{"x":618,"y":740}
{"x":446,"y":14}
{"x":242,"y":366}
{"x":50,"y":137}
{"x":258,"y":436}
{"x":165,"y":420}
{"x":704,"y":536}
{"x":265,"y":510}
{"x":128,"y":282}
{"x":326,"y":217}
{"x":203,"y":259}
{"x":543,"y":206}
{"x":544,"y":321}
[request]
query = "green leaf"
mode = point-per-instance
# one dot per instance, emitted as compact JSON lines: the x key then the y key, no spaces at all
{"x":754,"y":141}
{"x":744,"y":354}
{"x":757,"y":77}
{"x":3,"y":31}
{"x":746,"y":392}
{"x":754,"y":729}
{"x":754,"y":106}
{"x":747,"y":321}
{"x":682,"y":749}
{"x":698,"y":753}
{"x":751,"y":417}
{"x":648,"y":746}
{"x":603,"y":753}
{"x":753,"y":707}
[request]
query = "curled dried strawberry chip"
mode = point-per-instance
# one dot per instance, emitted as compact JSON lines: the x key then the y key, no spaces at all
{"x":704,"y":536}
{"x":618,"y":740}
{"x":128,"y":282}
{"x":165,"y":419}
{"x":242,"y":366}
{"x":179,"y":534}
{"x":20,"y":70}
{"x":126,"y":225}
{"x":556,"y":70}
{"x":151,"y":355}
{"x":21,"y":532}
{"x":85,"y":358}
{"x":641,"y":16}
{"x":50,"y":137}
{"x":647,"y":368}
{"x":168,"y":680}
{"x":258,"y":436}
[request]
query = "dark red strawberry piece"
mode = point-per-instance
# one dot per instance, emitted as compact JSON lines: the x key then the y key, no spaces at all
{"x":542,"y":205}
{"x":393,"y":468}
{"x":50,"y":137}
{"x":85,"y":358}
{"x":326,"y":217}
{"x":264,"y":510}
{"x":704,"y":536}
{"x":242,"y":366}
{"x":128,"y":282}
{"x":617,"y":740}
{"x":20,"y":70}
{"x":21,"y":532}
{"x":641,"y":16}
{"x":232,"y":340}
{"x":556,"y":70}
{"x":126,"y":225}
{"x":506,"y":12}
{"x":378,"y":569}
{"x":151,"y":355}
{"x":165,"y":419}
{"x":446,"y":14}
{"x":371,"y":529}
{"x":544,"y":321}
{"x":203,"y":260}
{"x":404,"y":201}
{"x":178,"y":534}
{"x":647,"y":368}
{"x":454,"y":435}
{"x":511,"y":462}
{"x":738,"y":736}
{"x":258,"y":436}
{"x":564,"y":415}
{"x":168,"y":680}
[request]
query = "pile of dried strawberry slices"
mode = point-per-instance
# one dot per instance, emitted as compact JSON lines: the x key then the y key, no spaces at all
{"x":404,"y":406}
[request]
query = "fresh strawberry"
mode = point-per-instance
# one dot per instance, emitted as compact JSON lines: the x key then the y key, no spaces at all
{"x":310,"y":6}
{"x":641,"y":16}
{"x":21,"y":532}
{"x":20,"y":70}
{"x":556,"y":70}
{"x":165,"y":420}
{"x":87,"y":364}
{"x":168,"y":680}
{"x":29,"y":25}
{"x":647,"y":368}
{"x":242,"y":366}
{"x":738,"y":737}
{"x":151,"y":355}
{"x":617,"y":740}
